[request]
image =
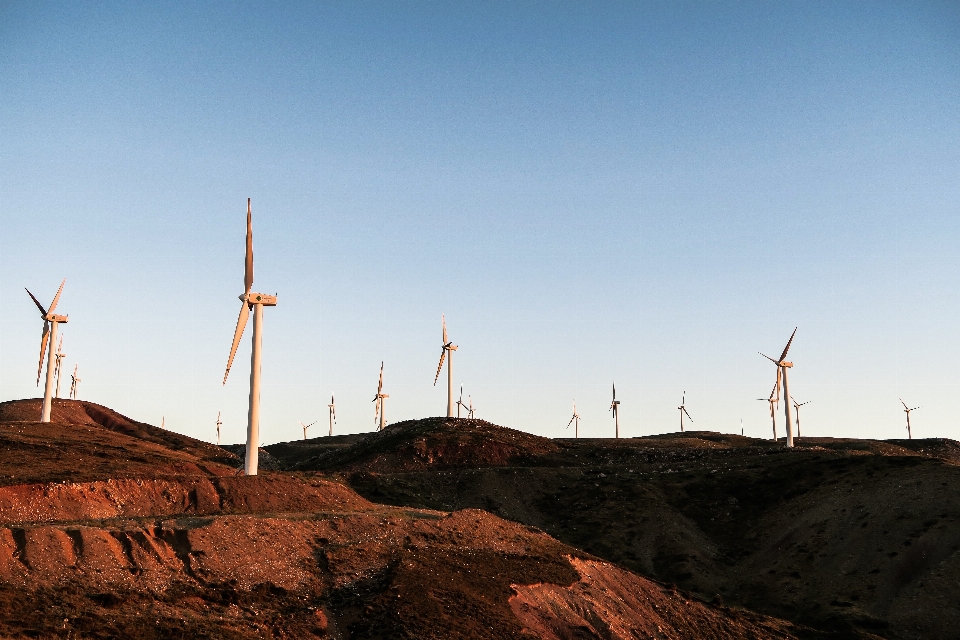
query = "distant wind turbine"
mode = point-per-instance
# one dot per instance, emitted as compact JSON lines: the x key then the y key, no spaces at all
{"x":333,"y":414}
{"x":796,"y":408}
{"x":379,"y":398}
{"x":575,"y":420}
{"x":74,"y":381}
{"x":614,"y":405}
{"x":448,"y":347}
{"x":59,"y":355}
{"x":774,"y":401}
{"x":683,"y":410}
{"x":783,"y":365}
{"x":305,"y":427}
{"x":470,"y":410}
{"x":460,"y":402}
{"x":248,"y":301}
{"x":908,"y":410}
{"x":218,"y":428}
{"x":50,"y":324}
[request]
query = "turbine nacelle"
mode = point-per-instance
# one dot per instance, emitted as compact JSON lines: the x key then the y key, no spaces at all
{"x":259,"y":298}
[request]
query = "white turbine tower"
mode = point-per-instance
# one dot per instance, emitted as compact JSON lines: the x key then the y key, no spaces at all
{"x":50,"y":323}
{"x":908,"y":410}
{"x":59,"y":355}
{"x":333,"y":413}
{"x":74,"y":381}
{"x":218,"y":428}
{"x":683,"y":410}
{"x":614,"y":405}
{"x":379,"y":398}
{"x":575,"y":420}
{"x":783,"y":365}
{"x":448,"y":347}
{"x":796,"y":408}
{"x":305,"y":427}
{"x":256,"y":301}
{"x":774,"y":401}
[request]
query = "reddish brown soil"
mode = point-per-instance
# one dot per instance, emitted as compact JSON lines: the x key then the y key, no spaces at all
{"x":852,"y":536}
{"x":126,"y":554}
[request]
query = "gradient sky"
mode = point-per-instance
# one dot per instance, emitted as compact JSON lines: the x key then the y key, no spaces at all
{"x":642,"y":192}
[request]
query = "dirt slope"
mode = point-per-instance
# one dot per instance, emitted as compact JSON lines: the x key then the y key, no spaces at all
{"x":97,"y":546}
{"x":849,"y":535}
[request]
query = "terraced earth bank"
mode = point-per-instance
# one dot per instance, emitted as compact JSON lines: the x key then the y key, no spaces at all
{"x":852,"y":537}
{"x":111,"y":528}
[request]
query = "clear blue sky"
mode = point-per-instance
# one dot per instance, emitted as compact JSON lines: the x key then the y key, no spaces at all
{"x":641,"y":192}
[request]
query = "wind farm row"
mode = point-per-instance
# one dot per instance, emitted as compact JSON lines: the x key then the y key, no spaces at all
{"x":253,"y":302}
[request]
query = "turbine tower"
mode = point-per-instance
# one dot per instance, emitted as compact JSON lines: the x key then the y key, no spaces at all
{"x":59,"y":355}
{"x":333,"y":413}
{"x":74,"y":381}
{"x":774,"y":401}
{"x":796,"y":408}
{"x":379,"y":398}
{"x":575,"y":420}
{"x":783,"y":365}
{"x":908,"y":410}
{"x":50,"y":323}
{"x":248,"y":301}
{"x":305,"y":427}
{"x":613,"y":407}
{"x":448,"y":346}
{"x":683,"y":410}
{"x":218,"y":428}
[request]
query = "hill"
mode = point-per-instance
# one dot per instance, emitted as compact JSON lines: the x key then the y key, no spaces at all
{"x":851,"y":536}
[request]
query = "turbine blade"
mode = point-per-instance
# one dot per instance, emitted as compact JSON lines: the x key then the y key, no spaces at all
{"x":443,"y":319}
{"x":248,"y":262}
{"x":56,"y":298}
{"x":614,"y":390}
{"x":43,"y":348}
{"x":43,"y":312}
{"x":688,"y":414}
{"x":241,"y":323}
{"x":903,"y":403}
{"x":443,"y":354}
{"x":787,"y":348}
{"x":769,"y":358}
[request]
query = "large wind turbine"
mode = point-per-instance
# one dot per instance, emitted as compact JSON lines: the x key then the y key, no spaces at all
{"x":783,"y":365}
{"x":248,"y":301}
{"x":575,"y":420}
{"x":683,"y":410}
{"x":333,"y":413}
{"x":774,"y":400}
{"x":448,"y":347}
{"x":908,"y":410}
{"x":379,"y":398}
{"x":74,"y":381}
{"x":613,"y":407}
{"x":796,"y":407}
{"x":58,"y":370}
{"x":50,"y":323}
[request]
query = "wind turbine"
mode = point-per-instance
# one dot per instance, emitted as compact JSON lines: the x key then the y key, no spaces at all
{"x":908,"y":410}
{"x":783,"y":365}
{"x":470,"y":411}
{"x":305,"y":427}
{"x":796,"y":407}
{"x":248,"y":301}
{"x":59,"y":355}
{"x":683,"y":410}
{"x":333,"y":413}
{"x":460,"y":402}
{"x":74,"y":380}
{"x":50,"y":323}
{"x":575,"y":419}
{"x":379,"y":398}
{"x":218,"y":428}
{"x":774,"y":400}
{"x":448,"y":347}
{"x":613,"y":407}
